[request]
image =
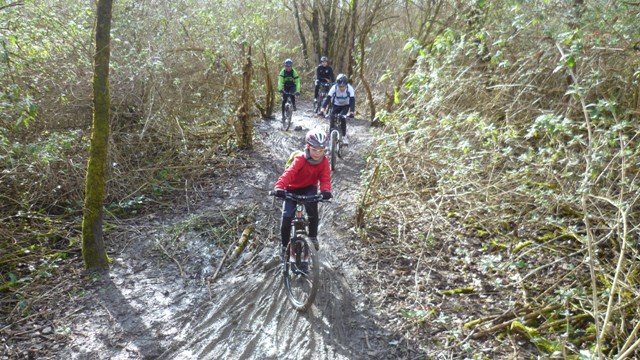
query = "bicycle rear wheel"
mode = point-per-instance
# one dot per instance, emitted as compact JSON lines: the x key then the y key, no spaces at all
{"x":334,"y":149}
{"x":301,"y":284}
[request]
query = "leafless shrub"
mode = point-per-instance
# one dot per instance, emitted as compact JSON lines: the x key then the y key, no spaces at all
{"x":529,"y":145}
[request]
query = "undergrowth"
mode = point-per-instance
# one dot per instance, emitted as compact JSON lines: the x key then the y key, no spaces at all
{"x":42,"y":184}
{"x":532,"y":150}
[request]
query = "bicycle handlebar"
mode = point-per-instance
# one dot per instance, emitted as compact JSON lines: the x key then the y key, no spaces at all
{"x":328,"y":115}
{"x":301,"y":198}
{"x":345,"y":116}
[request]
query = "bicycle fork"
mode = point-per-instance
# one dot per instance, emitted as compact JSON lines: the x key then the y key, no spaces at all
{"x":297,"y":253}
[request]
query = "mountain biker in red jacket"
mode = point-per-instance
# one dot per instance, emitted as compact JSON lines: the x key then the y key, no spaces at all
{"x":308,"y":171}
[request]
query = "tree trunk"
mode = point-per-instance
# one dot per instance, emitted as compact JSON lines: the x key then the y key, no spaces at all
{"x":370,"y":13}
{"x":266,"y":109}
{"x":314,"y":26}
{"x":391,"y":96}
{"x":329,"y":26}
{"x":243,"y":124}
{"x":93,"y":249}
{"x":303,"y":39}
{"x":363,"y":79}
{"x":352,"y":37}
{"x":313,"y":23}
{"x":423,"y":35}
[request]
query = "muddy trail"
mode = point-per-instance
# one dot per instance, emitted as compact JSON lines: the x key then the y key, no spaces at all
{"x":249,"y":317}
{"x":160,"y":298}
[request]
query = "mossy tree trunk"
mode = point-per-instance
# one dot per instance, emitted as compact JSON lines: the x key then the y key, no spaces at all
{"x":93,"y":249}
{"x":243,"y":124}
{"x":266,"y":109}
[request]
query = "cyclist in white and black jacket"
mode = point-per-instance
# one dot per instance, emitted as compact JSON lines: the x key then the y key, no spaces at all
{"x":343,"y":100}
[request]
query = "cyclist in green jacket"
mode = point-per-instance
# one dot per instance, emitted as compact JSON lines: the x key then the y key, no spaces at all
{"x":288,"y":84}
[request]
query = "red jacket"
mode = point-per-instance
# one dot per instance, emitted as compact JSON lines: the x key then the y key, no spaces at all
{"x":302,"y":174}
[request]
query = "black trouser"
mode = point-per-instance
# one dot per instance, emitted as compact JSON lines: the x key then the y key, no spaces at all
{"x":339,"y":110}
{"x":288,"y":211}
{"x":317,"y":89}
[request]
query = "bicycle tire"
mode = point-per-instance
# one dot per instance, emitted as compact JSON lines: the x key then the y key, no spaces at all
{"x":289,"y":117}
{"x":334,"y":149}
{"x":317,"y":106}
{"x":301,"y":288}
{"x":321,"y":95}
{"x":284,"y":118}
{"x":288,"y":113}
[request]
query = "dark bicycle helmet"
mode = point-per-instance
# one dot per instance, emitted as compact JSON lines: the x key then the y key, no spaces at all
{"x":316,"y":138}
{"x":288,"y":62}
{"x":324,"y":58}
{"x":341,"y":80}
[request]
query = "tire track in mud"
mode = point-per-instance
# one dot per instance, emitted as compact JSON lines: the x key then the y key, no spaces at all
{"x":249,"y":316}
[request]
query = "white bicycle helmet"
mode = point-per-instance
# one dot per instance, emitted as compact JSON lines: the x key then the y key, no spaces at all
{"x":316,"y":138}
{"x":342,"y":80}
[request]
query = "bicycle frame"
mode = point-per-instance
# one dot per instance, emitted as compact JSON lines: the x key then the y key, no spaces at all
{"x":300,"y":221}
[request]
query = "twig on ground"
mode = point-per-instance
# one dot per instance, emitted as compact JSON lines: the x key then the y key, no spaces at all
{"x":164,"y":250}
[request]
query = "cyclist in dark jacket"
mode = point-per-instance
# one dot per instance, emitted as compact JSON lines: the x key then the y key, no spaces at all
{"x":324,"y":74}
{"x":288,"y":82}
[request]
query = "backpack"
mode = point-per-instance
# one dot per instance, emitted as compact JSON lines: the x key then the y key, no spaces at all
{"x":333,"y":98}
{"x":293,"y":155}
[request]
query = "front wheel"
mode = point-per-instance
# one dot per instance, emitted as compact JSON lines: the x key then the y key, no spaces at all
{"x":318,"y":105}
{"x":288,"y":113}
{"x":301,"y":273}
{"x":334,"y":148}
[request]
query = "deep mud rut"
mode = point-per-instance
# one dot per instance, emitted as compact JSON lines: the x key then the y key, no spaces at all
{"x":157,"y":301}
